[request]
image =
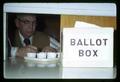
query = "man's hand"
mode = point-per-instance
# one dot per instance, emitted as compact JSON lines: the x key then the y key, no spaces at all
{"x":48,"y":49}
{"x":21,"y":52}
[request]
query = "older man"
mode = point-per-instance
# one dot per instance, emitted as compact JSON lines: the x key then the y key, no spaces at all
{"x":27,"y":39}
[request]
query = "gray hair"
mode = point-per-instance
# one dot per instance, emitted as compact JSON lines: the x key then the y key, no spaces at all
{"x":18,"y":16}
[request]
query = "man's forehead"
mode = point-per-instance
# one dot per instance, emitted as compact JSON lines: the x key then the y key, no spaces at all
{"x":29,"y":17}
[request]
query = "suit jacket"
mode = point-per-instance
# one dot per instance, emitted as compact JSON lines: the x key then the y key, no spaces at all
{"x":39,"y":40}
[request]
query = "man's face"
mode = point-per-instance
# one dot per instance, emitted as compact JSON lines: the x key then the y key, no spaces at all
{"x":26,"y":25}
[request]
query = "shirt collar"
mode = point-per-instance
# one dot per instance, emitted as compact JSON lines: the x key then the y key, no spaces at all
{"x":22,"y":38}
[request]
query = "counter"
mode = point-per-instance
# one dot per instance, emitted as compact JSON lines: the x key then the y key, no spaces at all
{"x":18,"y":68}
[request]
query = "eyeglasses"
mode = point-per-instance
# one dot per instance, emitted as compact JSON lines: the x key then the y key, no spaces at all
{"x":27,"y":21}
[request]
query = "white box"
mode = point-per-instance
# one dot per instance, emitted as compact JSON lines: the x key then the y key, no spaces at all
{"x":87,"y":47}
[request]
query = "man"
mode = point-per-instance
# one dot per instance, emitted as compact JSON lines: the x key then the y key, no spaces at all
{"x":27,"y":39}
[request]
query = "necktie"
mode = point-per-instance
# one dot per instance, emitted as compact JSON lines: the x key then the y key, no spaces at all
{"x":27,"y":41}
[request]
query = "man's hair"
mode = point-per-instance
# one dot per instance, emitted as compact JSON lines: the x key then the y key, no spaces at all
{"x":20,"y":15}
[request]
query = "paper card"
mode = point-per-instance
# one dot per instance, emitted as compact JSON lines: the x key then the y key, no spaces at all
{"x":81,"y":24}
{"x":87,"y":47}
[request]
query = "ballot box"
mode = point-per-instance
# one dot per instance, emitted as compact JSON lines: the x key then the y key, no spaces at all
{"x":88,"y":47}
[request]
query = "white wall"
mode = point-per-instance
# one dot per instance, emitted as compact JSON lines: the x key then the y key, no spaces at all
{"x":96,"y":9}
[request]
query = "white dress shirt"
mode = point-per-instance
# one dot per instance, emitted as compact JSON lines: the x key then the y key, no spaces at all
{"x":22,"y":39}
{"x":14,"y":49}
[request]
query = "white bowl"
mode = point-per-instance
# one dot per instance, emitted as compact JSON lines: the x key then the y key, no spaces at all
{"x":51,"y":55}
{"x":31,"y":55}
{"x":41,"y":55}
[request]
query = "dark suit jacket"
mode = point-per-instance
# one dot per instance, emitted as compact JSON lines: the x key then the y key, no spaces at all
{"x":40,"y":40}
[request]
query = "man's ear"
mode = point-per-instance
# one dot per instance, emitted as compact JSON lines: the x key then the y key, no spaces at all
{"x":17,"y":23}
